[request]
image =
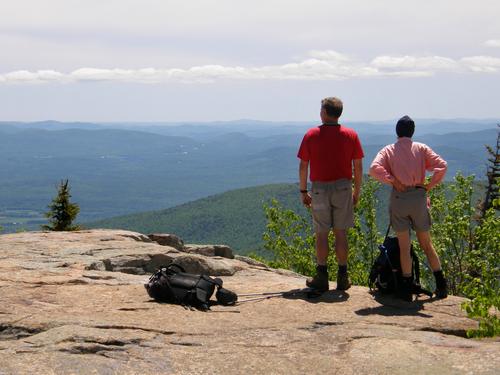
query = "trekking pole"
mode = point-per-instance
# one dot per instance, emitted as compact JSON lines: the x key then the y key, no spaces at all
{"x":267,"y":295}
{"x":262,"y":298}
{"x":294,"y":291}
{"x":260,"y":294}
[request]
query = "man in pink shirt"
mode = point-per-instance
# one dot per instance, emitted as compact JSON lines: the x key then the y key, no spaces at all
{"x":403,"y":166}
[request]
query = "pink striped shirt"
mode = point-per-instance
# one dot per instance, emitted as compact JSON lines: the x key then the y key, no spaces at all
{"x":408,"y":161}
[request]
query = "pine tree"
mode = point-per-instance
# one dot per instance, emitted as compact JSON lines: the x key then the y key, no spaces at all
{"x":493,"y":174}
{"x":61,"y":211}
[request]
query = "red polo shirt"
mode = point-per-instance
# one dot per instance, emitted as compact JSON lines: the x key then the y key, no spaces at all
{"x":330,"y":150}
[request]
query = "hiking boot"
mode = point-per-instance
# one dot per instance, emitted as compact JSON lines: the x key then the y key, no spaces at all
{"x":441,"y":291}
{"x":319,"y":282}
{"x":343,"y":282}
{"x":405,"y":289}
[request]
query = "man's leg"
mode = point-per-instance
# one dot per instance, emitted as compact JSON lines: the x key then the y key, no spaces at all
{"x":343,"y":218}
{"x":341,"y":252}
{"x":424,"y":239}
{"x":320,"y":281}
{"x":405,"y":289}
{"x":404,"y":252}
{"x":322,"y":248}
{"x":322,"y":222}
{"x":341,"y":246}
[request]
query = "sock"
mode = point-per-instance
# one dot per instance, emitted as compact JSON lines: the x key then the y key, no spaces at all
{"x":439,"y":275}
{"x":342,"y":269}
{"x":406,"y":288}
{"x":440,"y":280}
{"x":321,"y":268}
{"x":406,"y":281}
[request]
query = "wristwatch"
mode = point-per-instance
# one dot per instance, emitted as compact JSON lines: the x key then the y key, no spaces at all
{"x":304,"y":191}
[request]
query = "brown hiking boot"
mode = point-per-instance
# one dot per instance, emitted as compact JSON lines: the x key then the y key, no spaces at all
{"x":319,"y":282}
{"x":343,"y":282}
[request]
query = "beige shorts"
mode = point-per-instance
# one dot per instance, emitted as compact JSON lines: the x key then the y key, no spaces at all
{"x":409,"y":210}
{"x":332,"y":205}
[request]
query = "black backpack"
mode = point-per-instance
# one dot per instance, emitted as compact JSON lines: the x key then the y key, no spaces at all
{"x":172,"y":284}
{"x":385,"y":273}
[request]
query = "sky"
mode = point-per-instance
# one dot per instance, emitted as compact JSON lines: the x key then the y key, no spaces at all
{"x":209,"y":60}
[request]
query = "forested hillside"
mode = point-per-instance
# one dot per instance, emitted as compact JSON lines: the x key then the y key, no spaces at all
{"x":235,"y":218}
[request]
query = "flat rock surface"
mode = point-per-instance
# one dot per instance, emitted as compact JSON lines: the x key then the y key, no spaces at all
{"x":62,"y":313}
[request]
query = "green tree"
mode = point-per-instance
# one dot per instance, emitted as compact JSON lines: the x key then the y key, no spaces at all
{"x":289,"y":237}
{"x":469,"y":250}
{"x":453,"y":229}
{"x":364,"y":237}
{"x":493,"y":174}
{"x":482,"y":283}
{"x":62,"y":212}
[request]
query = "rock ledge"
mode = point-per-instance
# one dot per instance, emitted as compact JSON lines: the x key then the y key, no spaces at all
{"x":74,"y":303}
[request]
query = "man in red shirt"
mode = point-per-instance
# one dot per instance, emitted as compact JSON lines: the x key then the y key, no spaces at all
{"x":331,"y":151}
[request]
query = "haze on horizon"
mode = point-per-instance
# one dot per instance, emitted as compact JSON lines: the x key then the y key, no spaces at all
{"x":219,"y":60}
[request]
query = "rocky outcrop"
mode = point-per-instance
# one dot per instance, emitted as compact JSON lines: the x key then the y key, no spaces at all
{"x":166,"y":239}
{"x":210,"y":250}
{"x":74,"y":303}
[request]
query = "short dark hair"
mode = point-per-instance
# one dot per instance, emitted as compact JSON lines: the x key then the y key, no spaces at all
{"x":405,"y":127}
{"x":333,"y":106}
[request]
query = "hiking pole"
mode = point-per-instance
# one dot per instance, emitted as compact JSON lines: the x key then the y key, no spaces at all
{"x":267,"y":295}
{"x":294,"y":291}
{"x":259,"y":298}
{"x":260,"y":294}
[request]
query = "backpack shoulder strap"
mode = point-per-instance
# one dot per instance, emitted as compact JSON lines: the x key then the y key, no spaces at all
{"x":387,"y":232}
{"x":216,"y":281}
{"x":174,"y":268}
{"x":416,"y":265}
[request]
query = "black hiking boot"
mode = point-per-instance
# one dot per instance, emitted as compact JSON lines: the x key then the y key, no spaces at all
{"x":320,"y":281}
{"x":343,"y":282}
{"x":405,"y":289}
{"x":441,"y":291}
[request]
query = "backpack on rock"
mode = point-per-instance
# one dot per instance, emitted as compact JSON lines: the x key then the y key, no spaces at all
{"x":172,"y":284}
{"x":386,"y":275}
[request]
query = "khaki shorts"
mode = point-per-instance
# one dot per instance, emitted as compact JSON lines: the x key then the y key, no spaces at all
{"x":409,"y":210}
{"x":332,"y":205}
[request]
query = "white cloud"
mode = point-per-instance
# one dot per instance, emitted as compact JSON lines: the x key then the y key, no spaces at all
{"x":24,"y":76}
{"x":428,"y":63}
{"x":492,"y":43}
{"x":318,"y":66}
{"x":482,"y":64}
{"x":329,"y":55}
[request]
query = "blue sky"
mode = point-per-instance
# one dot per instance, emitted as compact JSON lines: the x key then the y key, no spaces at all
{"x":205,"y":60}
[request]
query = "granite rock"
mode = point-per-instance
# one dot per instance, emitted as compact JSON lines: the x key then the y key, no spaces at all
{"x":74,"y":303}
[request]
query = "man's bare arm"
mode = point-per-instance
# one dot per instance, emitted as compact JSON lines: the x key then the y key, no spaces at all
{"x":303,"y":171}
{"x":358,"y":179}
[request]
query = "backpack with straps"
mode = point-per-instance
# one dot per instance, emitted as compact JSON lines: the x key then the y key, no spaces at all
{"x":172,"y":284}
{"x":386,"y":273}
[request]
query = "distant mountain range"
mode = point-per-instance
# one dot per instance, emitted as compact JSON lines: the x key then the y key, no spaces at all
{"x":118,"y":169}
{"x":235,"y":218}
